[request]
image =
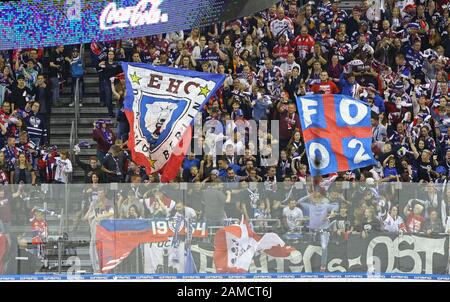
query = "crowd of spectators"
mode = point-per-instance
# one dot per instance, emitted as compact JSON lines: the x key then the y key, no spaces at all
{"x":30,"y":82}
{"x":397,"y":65}
{"x":394,"y":58}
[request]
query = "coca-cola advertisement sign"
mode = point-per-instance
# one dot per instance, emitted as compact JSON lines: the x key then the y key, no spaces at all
{"x":145,"y":12}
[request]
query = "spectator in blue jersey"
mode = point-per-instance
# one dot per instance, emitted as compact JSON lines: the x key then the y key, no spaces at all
{"x":191,"y":161}
{"x":390,"y":171}
{"x":36,"y":125}
{"x":378,"y":100}
{"x":348,"y":84}
{"x":224,"y":164}
{"x":260,"y":106}
{"x":400,"y":67}
{"x":414,"y":57}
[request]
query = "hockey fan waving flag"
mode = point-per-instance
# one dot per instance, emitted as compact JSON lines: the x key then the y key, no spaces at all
{"x":337,"y":133}
{"x":161,"y":104}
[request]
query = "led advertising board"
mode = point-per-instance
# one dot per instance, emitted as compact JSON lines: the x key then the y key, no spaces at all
{"x":37,"y":23}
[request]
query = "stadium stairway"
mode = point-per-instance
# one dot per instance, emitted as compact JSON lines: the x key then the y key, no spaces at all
{"x":62,"y":117}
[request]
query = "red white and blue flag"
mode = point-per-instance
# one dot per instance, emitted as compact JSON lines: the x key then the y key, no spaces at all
{"x":337,"y":133}
{"x":161,"y":104}
{"x":117,"y":238}
{"x":235,"y":246}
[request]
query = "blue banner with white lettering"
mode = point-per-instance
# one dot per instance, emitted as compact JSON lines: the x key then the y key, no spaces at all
{"x":337,"y":133}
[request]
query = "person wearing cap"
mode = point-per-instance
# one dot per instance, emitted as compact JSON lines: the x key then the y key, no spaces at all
{"x":425,"y":166}
{"x":324,"y":38}
{"x":213,"y":176}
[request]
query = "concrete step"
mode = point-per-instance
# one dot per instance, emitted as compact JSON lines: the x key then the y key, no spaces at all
{"x":349,"y":4}
{"x":89,"y":88}
{"x":83,"y":110}
{"x":91,"y":79}
{"x":90,"y":71}
{"x":88,"y":152}
{"x":82,"y":122}
{"x":84,"y":138}
{"x":65,"y":141}
{"x":85,"y":101}
{"x":66,"y":130}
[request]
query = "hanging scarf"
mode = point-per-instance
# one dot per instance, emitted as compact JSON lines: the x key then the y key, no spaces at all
{"x":107,"y":136}
{"x":11,"y":154}
{"x":290,"y":118}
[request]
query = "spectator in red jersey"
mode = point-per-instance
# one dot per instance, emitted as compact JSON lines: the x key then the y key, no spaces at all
{"x":325,"y":86}
{"x":303,"y":44}
{"x":161,"y":43}
{"x":414,"y":218}
{"x":281,"y":50}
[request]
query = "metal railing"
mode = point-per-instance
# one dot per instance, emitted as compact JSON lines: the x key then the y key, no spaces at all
{"x":72,"y":142}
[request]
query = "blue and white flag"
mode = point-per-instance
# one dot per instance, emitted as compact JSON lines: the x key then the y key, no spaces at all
{"x":161,"y":104}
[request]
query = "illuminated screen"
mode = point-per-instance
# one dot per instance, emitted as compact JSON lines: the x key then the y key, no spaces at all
{"x":38,"y":23}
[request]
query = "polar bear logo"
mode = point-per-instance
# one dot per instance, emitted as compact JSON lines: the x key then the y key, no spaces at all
{"x":157,"y":117}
